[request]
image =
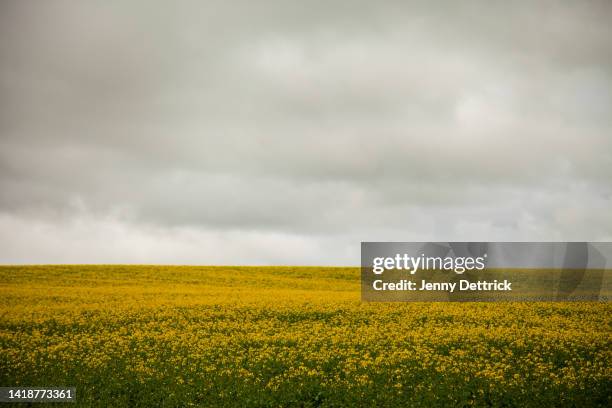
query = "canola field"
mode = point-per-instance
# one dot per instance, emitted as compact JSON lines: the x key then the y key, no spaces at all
{"x":129,"y":336}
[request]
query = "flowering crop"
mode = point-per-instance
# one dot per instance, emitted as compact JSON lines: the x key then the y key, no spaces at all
{"x":284,"y":336}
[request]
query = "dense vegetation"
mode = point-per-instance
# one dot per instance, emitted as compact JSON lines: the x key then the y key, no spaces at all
{"x":281,"y":336}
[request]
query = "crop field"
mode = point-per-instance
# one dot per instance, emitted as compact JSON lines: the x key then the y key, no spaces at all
{"x":284,"y":336}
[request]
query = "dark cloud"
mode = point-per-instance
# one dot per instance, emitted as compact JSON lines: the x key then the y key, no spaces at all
{"x":158,"y":132}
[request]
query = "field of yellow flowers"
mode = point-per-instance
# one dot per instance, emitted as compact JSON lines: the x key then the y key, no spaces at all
{"x":284,"y":336}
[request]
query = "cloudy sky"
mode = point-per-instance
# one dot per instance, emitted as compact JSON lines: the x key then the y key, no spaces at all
{"x":288,"y":132}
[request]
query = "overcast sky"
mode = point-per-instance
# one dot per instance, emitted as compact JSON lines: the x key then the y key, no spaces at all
{"x":288,"y":132}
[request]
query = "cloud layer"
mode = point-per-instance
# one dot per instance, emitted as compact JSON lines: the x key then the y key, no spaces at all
{"x":278,"y":133}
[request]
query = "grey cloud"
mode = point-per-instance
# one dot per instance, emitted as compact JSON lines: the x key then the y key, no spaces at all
{"x":326,"y":122}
